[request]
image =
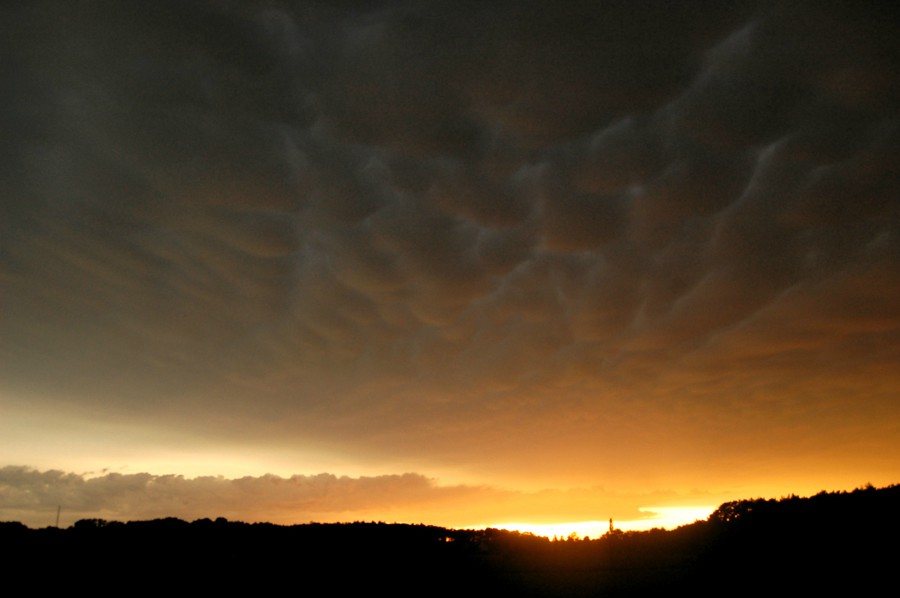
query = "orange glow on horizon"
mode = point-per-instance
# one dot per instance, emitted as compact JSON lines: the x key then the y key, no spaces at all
{"x":663,"y":517}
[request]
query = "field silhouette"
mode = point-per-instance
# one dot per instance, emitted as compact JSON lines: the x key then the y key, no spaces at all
{"x":830,"y":542}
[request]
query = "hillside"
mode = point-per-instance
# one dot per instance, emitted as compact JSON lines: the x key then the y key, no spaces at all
{"x":843,"y":541}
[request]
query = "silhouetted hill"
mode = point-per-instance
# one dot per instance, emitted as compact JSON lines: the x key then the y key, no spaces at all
{"x":844,"y":541}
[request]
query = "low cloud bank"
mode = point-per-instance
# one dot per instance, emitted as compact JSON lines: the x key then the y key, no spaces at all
{"x":33,"y":496}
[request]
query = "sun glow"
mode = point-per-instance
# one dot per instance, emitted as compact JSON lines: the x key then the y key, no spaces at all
{"x":578,"y":529}
{"x":657,"y":517}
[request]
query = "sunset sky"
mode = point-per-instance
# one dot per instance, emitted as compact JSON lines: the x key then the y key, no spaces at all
{"x":458,"y":263}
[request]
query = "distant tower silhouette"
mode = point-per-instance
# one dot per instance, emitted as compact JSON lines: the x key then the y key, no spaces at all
{"x":611,"y":528}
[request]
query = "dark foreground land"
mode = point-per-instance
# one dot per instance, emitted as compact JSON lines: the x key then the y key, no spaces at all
{"x":829,"y":543}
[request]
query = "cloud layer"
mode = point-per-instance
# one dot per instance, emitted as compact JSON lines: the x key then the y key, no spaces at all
{"x":35,"y":496}
{"x":557,"y":241}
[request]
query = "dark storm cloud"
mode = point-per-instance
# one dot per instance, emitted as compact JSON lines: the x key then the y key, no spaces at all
{"x":405,"y":213}
{"x":146,"y":496}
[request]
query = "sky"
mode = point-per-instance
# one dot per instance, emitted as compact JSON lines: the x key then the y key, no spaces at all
{"x":456,"y":263}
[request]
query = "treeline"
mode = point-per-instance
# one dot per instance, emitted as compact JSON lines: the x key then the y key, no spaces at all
{"x":844,"y":541}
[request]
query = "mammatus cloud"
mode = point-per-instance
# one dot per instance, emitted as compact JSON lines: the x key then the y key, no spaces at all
{"x":505,"y":236}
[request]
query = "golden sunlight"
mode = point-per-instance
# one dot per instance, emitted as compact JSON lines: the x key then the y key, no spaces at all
{"x":657,"y":517}
{"x":580,"y":529}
